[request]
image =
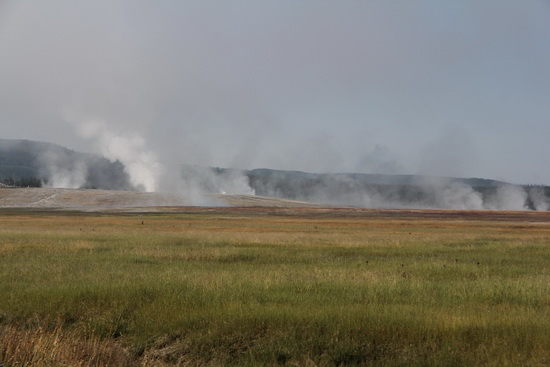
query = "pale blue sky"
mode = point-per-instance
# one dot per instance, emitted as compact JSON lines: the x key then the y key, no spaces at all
{"x":434,"y":87}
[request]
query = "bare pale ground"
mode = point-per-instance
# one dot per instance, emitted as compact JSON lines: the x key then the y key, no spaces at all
{"x":86,"y":199}
{"x":91,"y":200}
{"x":83,"y":199}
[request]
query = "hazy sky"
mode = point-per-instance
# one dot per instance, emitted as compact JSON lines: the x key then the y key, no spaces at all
{"x":439,"y":87}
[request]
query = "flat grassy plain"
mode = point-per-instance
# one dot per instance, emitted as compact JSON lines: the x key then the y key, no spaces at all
{"x":269,"y":287}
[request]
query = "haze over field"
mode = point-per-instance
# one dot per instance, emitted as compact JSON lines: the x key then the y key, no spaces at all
{"x":455,"y":89}
{"x":25,"y":164}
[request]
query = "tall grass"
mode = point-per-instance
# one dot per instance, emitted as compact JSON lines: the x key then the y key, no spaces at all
{"x":240,"y":288}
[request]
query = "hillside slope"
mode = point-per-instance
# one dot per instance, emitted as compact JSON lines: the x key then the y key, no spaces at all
{"x":24,"y":161}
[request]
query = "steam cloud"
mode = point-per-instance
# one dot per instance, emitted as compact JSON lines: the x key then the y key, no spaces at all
{"x":62,"y":171}
{"x":140,"y":163}
{"x":540,"y":201}
{"x":145,"y":170}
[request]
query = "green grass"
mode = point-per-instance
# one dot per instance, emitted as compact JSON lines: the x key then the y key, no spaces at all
{"x":249,"y":289}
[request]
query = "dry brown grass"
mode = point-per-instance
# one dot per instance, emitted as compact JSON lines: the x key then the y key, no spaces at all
{"x":56,"y":346}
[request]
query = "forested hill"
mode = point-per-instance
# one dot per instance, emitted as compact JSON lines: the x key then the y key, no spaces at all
{"x":398,"y":191}
{"x":30,"y":163}
{"x":372,"y":179}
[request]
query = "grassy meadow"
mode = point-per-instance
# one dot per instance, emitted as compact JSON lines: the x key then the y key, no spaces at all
{"x":273,"y":287}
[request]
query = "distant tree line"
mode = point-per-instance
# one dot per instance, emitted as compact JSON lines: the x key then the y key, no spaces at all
{"x":22,"y":182}
{"x":387,"y":190}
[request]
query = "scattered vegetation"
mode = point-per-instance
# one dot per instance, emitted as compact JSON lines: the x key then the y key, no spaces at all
{"x":292,"y":287}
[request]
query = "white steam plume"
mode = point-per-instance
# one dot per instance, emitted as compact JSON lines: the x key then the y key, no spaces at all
{"x":61,"y":171}
{"x":507,"y":197}
{"x":195,"y":183}
{"x":539,"y":199}
{"x":148,"y":174}
{"x":457,"y":195}
{"x":130,"y":149}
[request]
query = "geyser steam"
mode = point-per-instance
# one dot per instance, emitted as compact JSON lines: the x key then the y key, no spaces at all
{"x":61,"y":170}
{"x":146,"y":172}
{"x":140,"y":163}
